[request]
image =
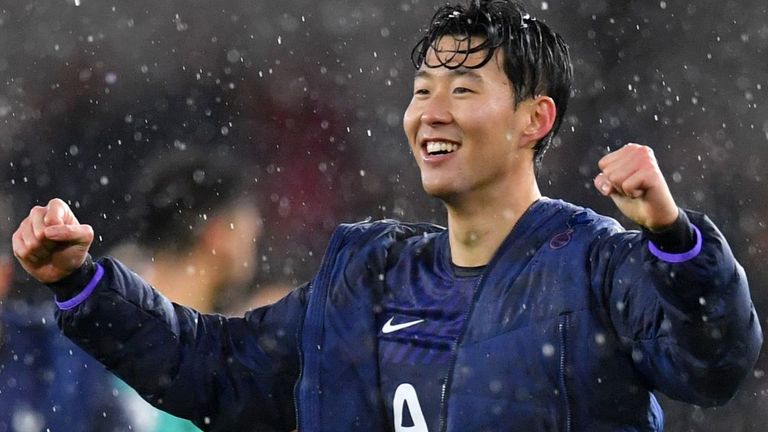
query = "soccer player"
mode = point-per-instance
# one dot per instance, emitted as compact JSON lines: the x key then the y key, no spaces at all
{"x":525,"y":314}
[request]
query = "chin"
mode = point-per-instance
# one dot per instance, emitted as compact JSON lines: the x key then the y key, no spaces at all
{"x":440,"y":191}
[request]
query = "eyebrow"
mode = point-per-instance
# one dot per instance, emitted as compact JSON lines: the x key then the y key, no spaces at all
{"x":458,"y":72}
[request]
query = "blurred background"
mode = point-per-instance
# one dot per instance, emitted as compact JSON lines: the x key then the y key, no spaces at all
{"x":308,"y":96}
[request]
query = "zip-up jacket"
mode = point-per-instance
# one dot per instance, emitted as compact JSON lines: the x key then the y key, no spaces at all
{"x":573,"y":324}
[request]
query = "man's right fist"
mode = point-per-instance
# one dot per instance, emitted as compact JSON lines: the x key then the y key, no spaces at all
{"x":50,"y":243}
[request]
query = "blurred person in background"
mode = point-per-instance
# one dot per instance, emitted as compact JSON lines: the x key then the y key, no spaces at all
{"x":527,"y":313}
{"x":199,"y":227}
{"x":47,"y":383}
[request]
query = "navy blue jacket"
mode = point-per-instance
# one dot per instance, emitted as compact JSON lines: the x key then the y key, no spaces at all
{"x":573,"y":325}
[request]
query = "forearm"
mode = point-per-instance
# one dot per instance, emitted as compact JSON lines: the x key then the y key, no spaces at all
{"x":686,"y":315}
{"x":703,"y":290}
{"x":201,"y":367}
{"x":123,"y":322}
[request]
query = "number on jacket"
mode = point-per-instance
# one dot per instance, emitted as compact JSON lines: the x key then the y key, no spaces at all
{"x":406,"y":394}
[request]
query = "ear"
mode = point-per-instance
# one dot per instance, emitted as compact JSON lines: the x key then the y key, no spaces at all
{"x":541,"y":118}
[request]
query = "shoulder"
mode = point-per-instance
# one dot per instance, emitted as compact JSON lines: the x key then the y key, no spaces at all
{"x":586,"y":219}
{"x":383,"y":232}
{"x":582,"y":226}
{"x":373,"y":243}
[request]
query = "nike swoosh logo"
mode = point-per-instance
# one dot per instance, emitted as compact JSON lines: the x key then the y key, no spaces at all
{"x":390,"y":328}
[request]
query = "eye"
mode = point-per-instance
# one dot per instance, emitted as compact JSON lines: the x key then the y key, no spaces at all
{"x":462,"y":90}
{"x":421,"y":91}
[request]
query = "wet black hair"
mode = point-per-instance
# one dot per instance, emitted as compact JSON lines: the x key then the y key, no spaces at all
{"x":536,"y":59}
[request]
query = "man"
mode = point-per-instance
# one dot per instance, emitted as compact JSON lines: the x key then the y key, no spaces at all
{"x":526,"y":314}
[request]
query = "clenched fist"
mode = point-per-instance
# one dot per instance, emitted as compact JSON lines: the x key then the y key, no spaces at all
{"x":50,"y":243}
{"x":632,"y":178}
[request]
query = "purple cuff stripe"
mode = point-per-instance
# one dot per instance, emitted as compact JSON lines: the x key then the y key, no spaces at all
{"x":679,"y":257}
{"x":85,"y":293}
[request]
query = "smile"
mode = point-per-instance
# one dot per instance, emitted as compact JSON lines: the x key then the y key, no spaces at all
{"x":440,"y":147}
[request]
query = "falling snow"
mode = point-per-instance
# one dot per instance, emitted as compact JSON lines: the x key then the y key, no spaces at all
{"x":309,"y":97}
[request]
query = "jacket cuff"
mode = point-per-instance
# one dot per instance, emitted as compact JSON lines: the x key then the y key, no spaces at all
{"x":680,"y":242}
{"x":73,"y":289}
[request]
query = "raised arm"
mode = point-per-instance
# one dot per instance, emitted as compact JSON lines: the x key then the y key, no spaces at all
{"x":222,"y":373}
{"x":676,"y":296}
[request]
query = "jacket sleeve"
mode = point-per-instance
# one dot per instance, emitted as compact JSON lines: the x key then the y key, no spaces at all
{"x":686,"y":320}
{"x":222,"y":373}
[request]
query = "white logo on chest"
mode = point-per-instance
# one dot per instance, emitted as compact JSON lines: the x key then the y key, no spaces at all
{"x":390,"y":328}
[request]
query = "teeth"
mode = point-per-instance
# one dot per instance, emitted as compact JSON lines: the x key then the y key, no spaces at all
{"x":441,"y":147}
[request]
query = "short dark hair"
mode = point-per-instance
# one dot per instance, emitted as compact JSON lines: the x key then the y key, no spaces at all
{"x":536,"y":59}
{"x":181,"y":193}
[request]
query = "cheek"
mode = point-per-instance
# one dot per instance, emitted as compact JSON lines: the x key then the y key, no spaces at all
{"x":410,"y":122}
{"x":498,"y":123}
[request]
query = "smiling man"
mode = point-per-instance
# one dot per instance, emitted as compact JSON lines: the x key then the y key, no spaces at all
{"x":525,"y":314}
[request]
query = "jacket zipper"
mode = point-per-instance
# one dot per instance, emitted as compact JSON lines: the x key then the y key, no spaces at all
{"x":455,"y":355}
{"x":322,"y":281}
{"x":563,"y":327}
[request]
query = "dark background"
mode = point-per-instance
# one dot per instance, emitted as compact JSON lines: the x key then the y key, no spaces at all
{"x":309,"y":95}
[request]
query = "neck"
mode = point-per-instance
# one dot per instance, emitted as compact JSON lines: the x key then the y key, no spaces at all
{"x":478,"y":225}
{"x":185,"y":279}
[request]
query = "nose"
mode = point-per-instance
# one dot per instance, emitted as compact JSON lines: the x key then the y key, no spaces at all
{"x":436,"y":111}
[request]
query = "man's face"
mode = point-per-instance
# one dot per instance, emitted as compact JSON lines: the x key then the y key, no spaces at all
{"x":462,"y":125}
